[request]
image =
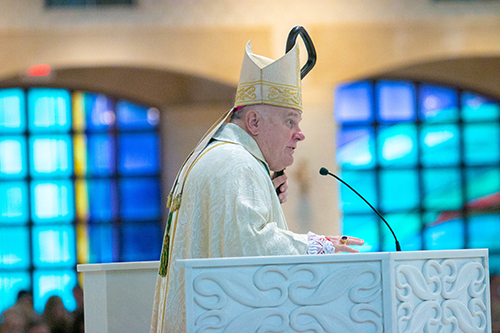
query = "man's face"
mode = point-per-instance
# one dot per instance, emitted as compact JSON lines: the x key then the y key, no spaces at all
{"x":279,"y":135}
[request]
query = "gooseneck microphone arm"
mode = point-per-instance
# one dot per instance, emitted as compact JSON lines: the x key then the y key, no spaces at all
{"x":324,"y":172}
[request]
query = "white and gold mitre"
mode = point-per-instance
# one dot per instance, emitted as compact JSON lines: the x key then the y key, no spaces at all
{"x":265,"y":81}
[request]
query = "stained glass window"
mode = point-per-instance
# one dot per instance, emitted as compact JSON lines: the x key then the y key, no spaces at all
{"x":143,"y":206}
{"x":71,"y":167}
{"x":397,"y":145}
{"x":14,"y":247}
{"x":14,"y":202}
{"x":427,"y":157}
{"x":12,"y":106}
{"x":13,"y":161}
{"x":138,"y":154}
{"x":358,"y":148}
{"x":364,"y":182}
{"x":439,"y":145}
{"x":354,"y":103}
{"x":438,"y":104}
{"x":396,"y":101}
{"x":11,"y":283}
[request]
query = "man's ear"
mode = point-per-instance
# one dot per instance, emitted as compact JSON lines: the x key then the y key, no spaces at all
{"x":252,"y":120}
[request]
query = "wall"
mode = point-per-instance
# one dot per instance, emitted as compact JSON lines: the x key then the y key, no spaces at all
{"x":354,"y":39}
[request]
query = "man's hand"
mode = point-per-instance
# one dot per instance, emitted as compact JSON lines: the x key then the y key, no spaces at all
{"x":342,"y":243}
{"x":282,"y":183}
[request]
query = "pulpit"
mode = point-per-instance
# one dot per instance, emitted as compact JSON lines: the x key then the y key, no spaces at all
{"x":422,"y":291}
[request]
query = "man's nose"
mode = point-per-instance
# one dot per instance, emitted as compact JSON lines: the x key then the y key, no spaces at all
{"x":299,"y":136}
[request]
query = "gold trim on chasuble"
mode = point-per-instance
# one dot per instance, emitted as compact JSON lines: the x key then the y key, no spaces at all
{"x":175,"y":205}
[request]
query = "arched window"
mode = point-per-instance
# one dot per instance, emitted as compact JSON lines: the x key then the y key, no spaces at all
{"x":80,"y":180}
{"x":427,"y":157}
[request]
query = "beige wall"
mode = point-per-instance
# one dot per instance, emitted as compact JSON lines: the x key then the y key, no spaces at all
{"x":354,"y":39}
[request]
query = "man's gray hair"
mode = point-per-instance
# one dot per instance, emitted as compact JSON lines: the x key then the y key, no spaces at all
{"x":237,"y":115}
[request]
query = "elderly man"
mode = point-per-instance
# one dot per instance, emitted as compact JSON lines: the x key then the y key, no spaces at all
{"x":224,"y":202}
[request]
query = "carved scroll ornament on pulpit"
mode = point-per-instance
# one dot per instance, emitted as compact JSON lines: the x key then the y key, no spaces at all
{"x":273,"y":290}
{"x":441,"y":297}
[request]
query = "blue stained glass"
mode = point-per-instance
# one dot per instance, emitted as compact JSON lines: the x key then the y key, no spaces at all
{"x":52,"y":201}
{"x":480,"y":147}
{"x":482,"y":184}
{"x":438,"y":104}
{"x":138,"y":154}
{"x":399,"y":190}
{"x":365,"y":227}
{"x":99,"y":111}
{"x":102,"y":200}
{"x":13,"y":202}
{"x":442,"y":189}
{"x":353,"y":102}
{"x":49,"y":110}
{"x":101,"y":154}
{"x":445,"y":234}
{"x":54,"y":246}
{"x":398,"y":145}
{"x":364,"y":183}
{"x":11,"y":283}
{"x":407,"y":228}
{"x":140,"y":199}
{"x":355,"y":148}
{"x":12,"y":111}
{"x":478,"y":238}
{"x":13,"y":157}
{"x":50,"y":245}
{"x":47,"y":283}
{"x":141,"y":242}
{"x":440,"y":145}
{"x":133,"y":116}
{"x":14,"y":248}
{"x":396,"y":101}
{"x":103,"y":245}
{"x":51,"y":156}
{"x":478,"y":108}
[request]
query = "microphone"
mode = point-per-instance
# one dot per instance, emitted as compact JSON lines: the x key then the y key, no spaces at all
{"x":324,"y":172}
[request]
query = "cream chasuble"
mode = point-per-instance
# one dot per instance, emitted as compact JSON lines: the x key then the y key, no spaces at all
{"x":229,"y":208}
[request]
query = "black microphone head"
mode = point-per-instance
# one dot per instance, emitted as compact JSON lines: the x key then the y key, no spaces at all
{"x":323,"y":171}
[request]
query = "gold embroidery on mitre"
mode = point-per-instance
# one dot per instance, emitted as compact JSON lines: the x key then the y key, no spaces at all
{"x":264,"y":92}
{"x":246,"y":93}
{"x":284,"y":96}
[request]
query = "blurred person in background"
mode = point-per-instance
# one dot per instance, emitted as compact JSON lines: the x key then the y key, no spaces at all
{"x":78,"y":295}
{"x":13,"y":322}
{"x":78,"y":323}
{"x":77,"y":315}
{"x":24,"y":305}
{"x":17,"y":317}
{"x":38,"y":326}
{"x":56,"y":316}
